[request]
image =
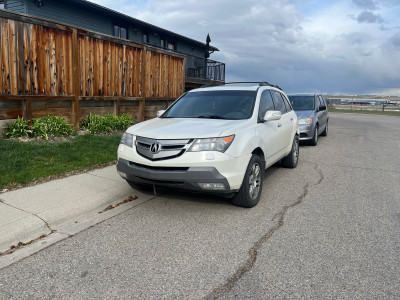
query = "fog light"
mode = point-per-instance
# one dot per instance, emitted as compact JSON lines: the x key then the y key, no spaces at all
{"x":212,"y":186}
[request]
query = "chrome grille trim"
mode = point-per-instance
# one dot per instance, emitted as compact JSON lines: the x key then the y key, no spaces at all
{"x":165,"y":149}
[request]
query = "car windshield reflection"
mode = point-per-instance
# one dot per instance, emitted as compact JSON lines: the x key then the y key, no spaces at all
{"x":232,"y":105}
{"x":302,"y":102}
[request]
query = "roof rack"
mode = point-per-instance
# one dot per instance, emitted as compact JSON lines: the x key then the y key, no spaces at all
{"x":259,"y":83}
{"x":212,"y":84}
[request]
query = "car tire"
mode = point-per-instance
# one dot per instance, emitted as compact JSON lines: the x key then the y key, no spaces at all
{"x":325,"y":132}
{"x":291,"y":160}
{"x":249,"y":193}
{"x":314,"y":140}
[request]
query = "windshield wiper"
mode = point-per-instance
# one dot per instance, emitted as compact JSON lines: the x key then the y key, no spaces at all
{"x":210,"y":117}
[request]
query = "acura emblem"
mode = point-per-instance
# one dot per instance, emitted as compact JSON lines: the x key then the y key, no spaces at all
{"x":155,"y":148}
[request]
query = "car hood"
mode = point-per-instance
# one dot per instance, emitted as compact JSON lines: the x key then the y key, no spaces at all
{"x":177,"y":128}
{"x":302,"y":114}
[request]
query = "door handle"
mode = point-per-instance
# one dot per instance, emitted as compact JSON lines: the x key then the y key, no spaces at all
{"x":279,"y":124}
{"x":291,"y":118}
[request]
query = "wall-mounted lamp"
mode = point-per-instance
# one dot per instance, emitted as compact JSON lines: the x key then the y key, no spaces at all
{"x":39,"y":3}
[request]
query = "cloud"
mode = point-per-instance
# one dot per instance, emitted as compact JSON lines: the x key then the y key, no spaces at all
{"x":394,"y":41}
{"x":366,"y":4}
{"x":369,"y":17}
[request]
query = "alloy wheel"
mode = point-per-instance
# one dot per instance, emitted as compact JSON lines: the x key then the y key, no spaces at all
{"x":296,"y":151}
{"x":316,"y":134}
{"x":254,"y":181}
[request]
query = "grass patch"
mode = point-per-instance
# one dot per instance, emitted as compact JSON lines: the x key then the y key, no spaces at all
{"x":27,"y":162}
{"x":368,"y":112}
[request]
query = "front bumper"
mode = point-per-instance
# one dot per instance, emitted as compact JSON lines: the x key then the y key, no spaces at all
{"x":189,"y":178}
{"x":306,"y":132}
{"x":187,"y":171}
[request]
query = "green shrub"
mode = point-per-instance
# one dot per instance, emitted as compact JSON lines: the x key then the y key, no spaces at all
{"x":110,"y":122}
{"x":107,"y":123}
{"x":18,"y":128}
{"x":51,"y":126}
{"x":95,"y":124}
{"x":91,"y":123}
{"x":125,"y":121}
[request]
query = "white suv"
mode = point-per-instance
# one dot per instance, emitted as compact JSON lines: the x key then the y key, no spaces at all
{"x":216,"y":139}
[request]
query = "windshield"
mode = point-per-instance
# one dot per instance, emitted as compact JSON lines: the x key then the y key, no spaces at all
{"x":302,"y":102}
{"x":233,"y":105}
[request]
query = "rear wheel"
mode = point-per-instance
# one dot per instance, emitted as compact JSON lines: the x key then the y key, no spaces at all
{"x":314,"y":140}
{"x":250,"y":191}
{"x":291,"y":160}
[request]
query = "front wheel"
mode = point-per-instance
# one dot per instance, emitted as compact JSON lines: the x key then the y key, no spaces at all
{"x":291,"y":160}
{"x":250,"y":191}
{"x":314,"y":140}
{"x":325,"y":132}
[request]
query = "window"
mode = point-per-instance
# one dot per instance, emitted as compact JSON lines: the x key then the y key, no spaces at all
{"x":287,"y":103}
{"x":162,"y":43}
{"x":171,"y":46}
{"x":120,"y":32}
{"x":123,"y":33}
{"x":145,"y":38}
{"x":321,"y":101}
{"x":278,"y":101}
{"x":2,"y":4}
{"x":233,"y":105}
{"x":302,"y":102}
{"x":266,"y":104}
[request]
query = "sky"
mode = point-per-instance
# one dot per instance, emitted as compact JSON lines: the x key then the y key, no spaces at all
{"x":329,"y":47}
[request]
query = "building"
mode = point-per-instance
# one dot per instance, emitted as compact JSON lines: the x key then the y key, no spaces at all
{"x":199,"y":69}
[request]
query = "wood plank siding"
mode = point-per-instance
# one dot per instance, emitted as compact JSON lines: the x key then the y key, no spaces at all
{"x":69,"y":71}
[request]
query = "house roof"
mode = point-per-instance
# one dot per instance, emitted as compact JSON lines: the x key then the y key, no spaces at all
{"x":121,"y":16}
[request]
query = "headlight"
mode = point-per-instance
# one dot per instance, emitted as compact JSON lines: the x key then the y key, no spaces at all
{"x":212,"y":144}
{"x":305,"y":121}
{"x":127,"y":139}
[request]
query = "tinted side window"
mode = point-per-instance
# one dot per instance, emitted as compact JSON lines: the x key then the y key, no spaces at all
{"x":321,"y":101}
{"x":266,"y":104}
{"x":287,"y":103}
{"x":278,"y":101}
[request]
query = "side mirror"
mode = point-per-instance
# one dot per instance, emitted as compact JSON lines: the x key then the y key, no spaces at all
{"x":272,"y":115}
{"x":322,"y":107}
{"x":160,"y":112}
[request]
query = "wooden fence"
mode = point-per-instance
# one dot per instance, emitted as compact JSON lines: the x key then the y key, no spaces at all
{"x":51,"y":68}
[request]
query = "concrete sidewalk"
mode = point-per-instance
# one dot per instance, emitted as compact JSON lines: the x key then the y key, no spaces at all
{"x":61,"y":208}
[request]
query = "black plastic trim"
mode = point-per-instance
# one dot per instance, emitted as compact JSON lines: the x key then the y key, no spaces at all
{"x":180,"y":177}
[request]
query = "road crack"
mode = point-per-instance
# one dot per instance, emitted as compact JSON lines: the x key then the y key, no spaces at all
{"x":31,"y":213}
{"x":20,"y":245}
{"x":217,"y":292}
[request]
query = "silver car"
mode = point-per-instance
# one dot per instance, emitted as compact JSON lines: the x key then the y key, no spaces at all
{"x":312,"y":112}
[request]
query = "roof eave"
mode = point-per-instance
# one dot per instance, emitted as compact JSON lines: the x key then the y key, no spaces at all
{"x":131,"y":19}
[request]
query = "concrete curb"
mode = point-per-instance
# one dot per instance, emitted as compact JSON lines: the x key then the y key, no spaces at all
{"x":59,"y":209}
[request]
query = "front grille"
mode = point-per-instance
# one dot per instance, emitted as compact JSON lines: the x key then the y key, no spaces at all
{"x":154,"y":149}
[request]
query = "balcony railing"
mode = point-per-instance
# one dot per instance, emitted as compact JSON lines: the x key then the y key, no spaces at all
{"x":202,"y":68}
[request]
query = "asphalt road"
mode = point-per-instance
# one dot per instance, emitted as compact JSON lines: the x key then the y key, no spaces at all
{"x":327,"y":229}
